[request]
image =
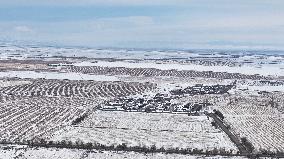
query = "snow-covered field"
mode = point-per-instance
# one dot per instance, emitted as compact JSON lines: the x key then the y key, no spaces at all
{"x":264,"y":132}
{"x":143,"y":129}
{"x":35,"y":108}
{"x":82,"y":88}
{"x":57,"y":75}
{"x":257,"y":120}
{"x":250,"y":70}
{"x":30,"y":118}
{"x":44,"y":89}
{"x":7,"y":83}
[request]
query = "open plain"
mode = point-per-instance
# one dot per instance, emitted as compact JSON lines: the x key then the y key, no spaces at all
{"x":140,"y":104}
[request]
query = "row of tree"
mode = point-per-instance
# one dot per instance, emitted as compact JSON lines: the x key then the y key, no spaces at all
{"x":119,"y":147}
{"x":143,"y":149}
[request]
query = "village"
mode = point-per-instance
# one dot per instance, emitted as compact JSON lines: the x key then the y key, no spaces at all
{"x":167,"y":102}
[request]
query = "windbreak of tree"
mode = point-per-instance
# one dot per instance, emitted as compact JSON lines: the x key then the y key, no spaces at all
{"x":143,"y":149}
{"x":119,"y":147}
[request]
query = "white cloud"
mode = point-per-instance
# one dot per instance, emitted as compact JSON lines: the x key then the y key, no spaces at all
{"x":144,"y":31}
{"x":122,"y":22}
{"x":238,"y":23}
{"x":23,"y":29}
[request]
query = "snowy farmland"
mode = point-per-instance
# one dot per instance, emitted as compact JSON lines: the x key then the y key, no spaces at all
{"x":87,"y":89}
{"x":32,"y":109}
{"x":20,"y":123}
{"x":257,"y":119}
{"x":142,"y":129}
{"x":107,"y":103}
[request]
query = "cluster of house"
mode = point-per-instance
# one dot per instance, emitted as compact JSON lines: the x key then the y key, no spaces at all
{"x":160,"y":103}
{"x":168,"y":102}
{"x":272,"y":83}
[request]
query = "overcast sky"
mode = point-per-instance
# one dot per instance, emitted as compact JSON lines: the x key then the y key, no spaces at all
{"x":145,"y":23}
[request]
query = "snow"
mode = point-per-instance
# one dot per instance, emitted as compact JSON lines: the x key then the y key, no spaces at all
{"x":260,"y":63}
{"x":256,"y":119}
{"x":138,"y":129}
{"x":7,"y":83}
{"x":259,"y":122}
{"x":57,"y":75}
{"x":274,"y":71}
{"x":263,"y":88}
{"x":21,"y":52}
